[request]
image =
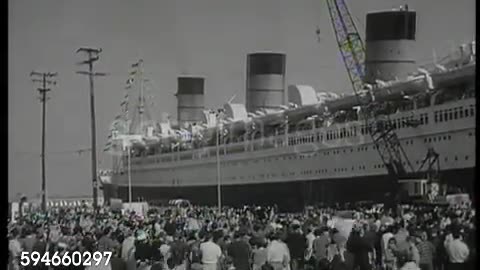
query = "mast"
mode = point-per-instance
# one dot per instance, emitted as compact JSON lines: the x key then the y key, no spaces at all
{"x":141,"y":98}
{"x":135,"y":127}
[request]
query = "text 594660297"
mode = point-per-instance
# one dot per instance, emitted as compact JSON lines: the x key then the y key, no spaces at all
{"x":65,"y":258}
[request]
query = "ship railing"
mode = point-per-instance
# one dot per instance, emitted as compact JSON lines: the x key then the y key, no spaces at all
{"x":279,"y":140}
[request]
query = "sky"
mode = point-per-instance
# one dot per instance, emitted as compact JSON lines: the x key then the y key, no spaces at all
{"x":200,"y":37}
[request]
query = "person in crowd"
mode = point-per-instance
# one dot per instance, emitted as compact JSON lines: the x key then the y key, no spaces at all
{"x":179,"y":252}
{"x":412,"y":251}
{"x":211,"y":253}
{"x":401,"y":237}
{"x":340,"y":260}
{"x":278,"y":255}
{"x":143,"y":251}
{"x":320,"y":245}
{"x":29,"y":239}
{"x":240,"y":251}
{"x":15,"y":249}
{"x":296,"y":243}
{"x":128,"y":244}
{"x":188,"y":239}
{"x":106,"y":243}
{"x":426,"y":250}
{"x":457,"y":251}
{"x":259,"y":254}
{"x":390,"y":259}
{"x":195,"y":254}
{"x":360,"y":248}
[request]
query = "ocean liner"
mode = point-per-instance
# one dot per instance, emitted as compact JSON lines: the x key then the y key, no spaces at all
{"x":295,"y":145}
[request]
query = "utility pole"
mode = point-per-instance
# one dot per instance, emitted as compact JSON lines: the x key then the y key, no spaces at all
{"x":92,"y":56}
{"x":219,"y":177}
{"x":43,"y":99}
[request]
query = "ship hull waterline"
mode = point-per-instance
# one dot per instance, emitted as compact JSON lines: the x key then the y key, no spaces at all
{"x":292,"y":194}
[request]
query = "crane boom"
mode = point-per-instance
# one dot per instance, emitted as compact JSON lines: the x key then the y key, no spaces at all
{"x":349,"y":42}
{"x":381,"y":130}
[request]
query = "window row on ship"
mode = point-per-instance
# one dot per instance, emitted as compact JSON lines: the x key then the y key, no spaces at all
{"x":407,"y":143}
{"x":321,"y":171}
{"x":337,"y":132}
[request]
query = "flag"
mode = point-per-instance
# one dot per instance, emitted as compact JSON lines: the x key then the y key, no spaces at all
{"x":137,"y":64}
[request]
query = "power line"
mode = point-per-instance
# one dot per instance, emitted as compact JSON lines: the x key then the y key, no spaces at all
{"x":73,"y":151}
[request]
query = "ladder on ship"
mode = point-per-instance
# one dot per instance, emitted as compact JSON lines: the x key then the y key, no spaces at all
{"x":378,"y":125}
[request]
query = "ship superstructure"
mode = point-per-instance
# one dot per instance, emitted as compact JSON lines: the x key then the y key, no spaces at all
{"x":316,"y":146}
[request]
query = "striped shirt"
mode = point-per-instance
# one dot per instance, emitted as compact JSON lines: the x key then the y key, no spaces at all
{"x":426,"y":250}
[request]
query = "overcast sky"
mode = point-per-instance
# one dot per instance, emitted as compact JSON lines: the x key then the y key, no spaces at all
{"x":201,"y":37}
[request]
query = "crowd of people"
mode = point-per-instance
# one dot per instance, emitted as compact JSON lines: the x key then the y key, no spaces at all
{"x":254,"y":238}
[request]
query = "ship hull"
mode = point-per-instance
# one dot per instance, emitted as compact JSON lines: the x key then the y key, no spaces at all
{"x":287,"y":195}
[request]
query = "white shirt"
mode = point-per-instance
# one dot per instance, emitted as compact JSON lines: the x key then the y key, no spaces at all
{"x":410,"y":266}
{"x":164,"y":249}
{"x":157,"y":228}
{"x":15,"y":247}
{"x":193,"y":224}
{"x":127,"y":245}
{"x":385,"y":237}
{"x":211,"y":252}
{"x":310,"y":238}
{"x":457,"y":251}
{"x":277,"y":252}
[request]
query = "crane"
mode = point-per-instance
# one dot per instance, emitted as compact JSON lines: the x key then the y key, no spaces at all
{"x":380,"y":129}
